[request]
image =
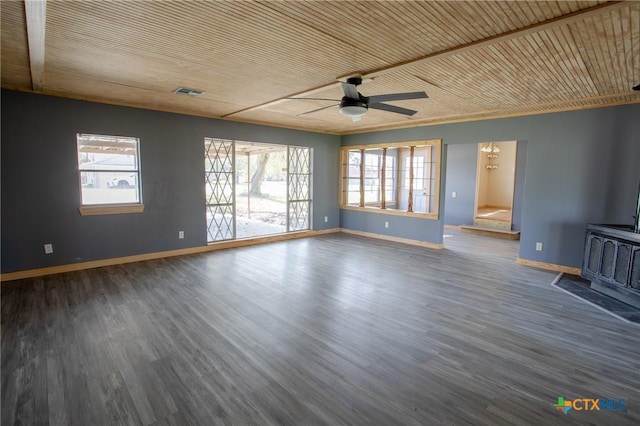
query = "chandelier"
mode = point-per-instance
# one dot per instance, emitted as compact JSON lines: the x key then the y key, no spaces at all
{"x":491,"y":148}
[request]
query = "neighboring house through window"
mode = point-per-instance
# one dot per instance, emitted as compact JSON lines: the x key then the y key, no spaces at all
{"x":109,"y":170}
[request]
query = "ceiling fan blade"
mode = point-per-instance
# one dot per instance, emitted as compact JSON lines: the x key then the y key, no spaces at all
{"x":392,"y":108}
{"x":316,"y":110}
{"x":397,"y":97}
{"x":315,"y":99}
{"x":350,"y":90}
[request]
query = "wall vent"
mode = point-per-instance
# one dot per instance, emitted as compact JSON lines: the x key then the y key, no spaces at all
{"x":188,"y":92}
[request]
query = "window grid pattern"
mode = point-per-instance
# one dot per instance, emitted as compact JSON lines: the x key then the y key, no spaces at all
{"x":390,"y":177}
{"x":353,"y":178}
{"x":372,"y":177}
{"x":219,"y":185}
{"x":109,"y":169}
{"x":372,"y":189}
{"x":299,"y":189}
{"x":410,"y":177}
{"x":417,"y":165}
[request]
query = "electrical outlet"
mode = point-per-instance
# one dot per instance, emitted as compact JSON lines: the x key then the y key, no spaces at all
{"x":386,"y":224}
{"x":326,"y":219}
{"x":538,"y":246}
{"x":180,"y":234}
{"x":48,"y":248}
{"x":454,"y":194}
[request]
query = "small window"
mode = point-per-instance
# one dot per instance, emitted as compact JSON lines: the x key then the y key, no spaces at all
{"x":396,"y":178}
{"x":109,"y":170}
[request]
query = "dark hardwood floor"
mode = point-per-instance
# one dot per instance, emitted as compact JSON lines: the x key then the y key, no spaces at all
{"x":332,"y":330}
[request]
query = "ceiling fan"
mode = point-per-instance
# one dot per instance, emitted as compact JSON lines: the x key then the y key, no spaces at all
{"x":355,"y":105}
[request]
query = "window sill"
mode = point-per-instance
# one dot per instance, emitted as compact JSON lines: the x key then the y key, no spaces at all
{"x":111,"y":209}
{"x":430,"y":216}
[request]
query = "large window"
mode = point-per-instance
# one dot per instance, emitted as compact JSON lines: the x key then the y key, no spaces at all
{"x":255,"y":189}
{"x":219,"y":189}
{"x":109,"y":170}
{"x":299,"y":188}
{"x":398,"y":178}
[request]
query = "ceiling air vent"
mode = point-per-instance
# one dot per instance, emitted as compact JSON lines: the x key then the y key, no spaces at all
{"x":188,"y":92}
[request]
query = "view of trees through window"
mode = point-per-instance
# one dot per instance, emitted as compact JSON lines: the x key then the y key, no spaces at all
{"x":256,"y":189}
{"x":261,"y":188}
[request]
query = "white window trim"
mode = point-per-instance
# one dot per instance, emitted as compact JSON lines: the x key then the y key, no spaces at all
{"x":112,"y":208}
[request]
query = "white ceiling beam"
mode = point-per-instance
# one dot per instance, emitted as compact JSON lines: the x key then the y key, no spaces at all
{"x":500,"y":38}
{"x":36,"y":14}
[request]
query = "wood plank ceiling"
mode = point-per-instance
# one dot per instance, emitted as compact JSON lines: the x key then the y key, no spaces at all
{"x":476,"y":60}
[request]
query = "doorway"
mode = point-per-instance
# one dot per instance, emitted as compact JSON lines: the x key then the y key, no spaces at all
{"x":261,"y":189}
{"x":495,"y":184}
{"x":255,"y":189}
{"x":468,"y":208}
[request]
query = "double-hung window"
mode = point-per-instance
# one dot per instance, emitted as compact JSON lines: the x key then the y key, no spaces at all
{"x":109,"y":174}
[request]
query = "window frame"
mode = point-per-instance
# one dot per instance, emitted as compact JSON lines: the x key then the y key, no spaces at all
{"x":297,"y":172}
{"x":111,"y":208}
{"x":436,"y":159}
{"x":225,"y":205}
{"x":292,"y":174}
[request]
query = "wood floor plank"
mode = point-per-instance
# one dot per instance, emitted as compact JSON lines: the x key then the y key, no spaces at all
{"x":336,"y":329}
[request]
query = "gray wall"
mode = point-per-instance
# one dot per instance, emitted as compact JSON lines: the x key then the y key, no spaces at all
{"x":581,"y":167}
{"x":518,"y":190}
{"x":40,"y":190}
{"x":460,"y":178}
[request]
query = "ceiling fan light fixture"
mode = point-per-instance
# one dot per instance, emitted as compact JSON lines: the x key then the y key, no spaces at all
{"x":353,"y":110}
{"x":352,"y":107}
